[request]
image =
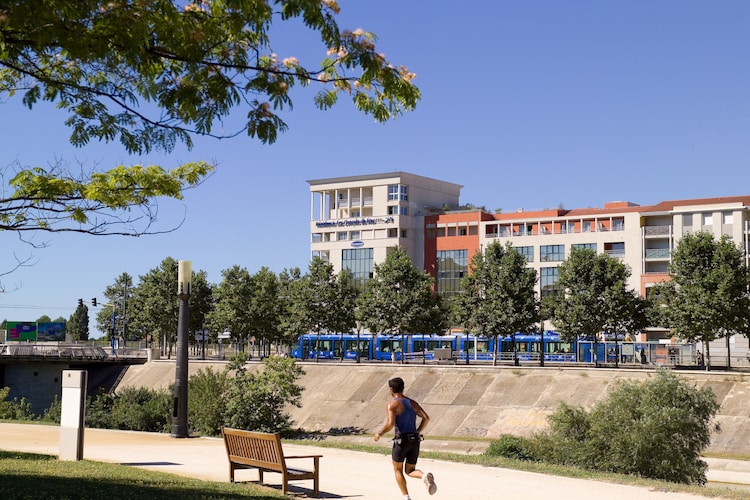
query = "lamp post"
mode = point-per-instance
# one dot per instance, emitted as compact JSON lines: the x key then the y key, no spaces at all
{"x":179,"y":414}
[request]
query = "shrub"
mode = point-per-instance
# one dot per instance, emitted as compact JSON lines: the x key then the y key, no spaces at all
{"x":207,"y":405}
{"x":15,"y":409}
{"x":510,"y":446}
{"x":656,"y":429}
{"x":255,"y":401}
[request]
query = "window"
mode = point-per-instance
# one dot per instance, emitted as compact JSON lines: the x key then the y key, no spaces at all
{"x":398,"y":192}
{"x":355,"y":235}
{"x":687,"y":221}
{"x":552,"y":253}
{"x":403,"y":210}
{"x":392,"y":232}
{"x":452,"y":231}
{"x":323,"y":254}
{"x":355,"y":213}
{"x":728,"y":218}
{"x":527,"y":252}
{"x":615,"y":249}
{"x":618,"y":225}
{"x":403,"y":233}
{"x":451,"y":266}
{"x":317,"y":237}
{"x":548,"y":281}
{"x":392,"y":210}
{"x":587,"y":226}
{"x":341,"y":236}
{"x":708,"y":219}
{"x":463,"y":231}
{"x":592,"y":246}
{"x":359,"y":262}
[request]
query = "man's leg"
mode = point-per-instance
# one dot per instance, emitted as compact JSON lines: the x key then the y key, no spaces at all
{"x":398,"y":471}
{"x":412,"y":471}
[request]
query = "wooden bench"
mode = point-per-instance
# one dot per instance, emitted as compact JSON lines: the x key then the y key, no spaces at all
{"x":262,"y":451}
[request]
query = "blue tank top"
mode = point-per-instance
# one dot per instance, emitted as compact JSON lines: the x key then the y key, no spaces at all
{"x":406,"y":422}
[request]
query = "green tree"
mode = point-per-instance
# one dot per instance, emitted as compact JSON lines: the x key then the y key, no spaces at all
{"x":265,"y":309}
{"x":595,"y":297}
{"x":290,"y":292}
{"x":155,"y":74}
{"x":44,"y":319}
{"x":118,"y":298}
{"x":232,"y":310}
{"x":706,"y":297}
{"x":154,"y":305}
{"x":78,"y":324}
{"x":498,"y":295}
{"x":399,"y":298}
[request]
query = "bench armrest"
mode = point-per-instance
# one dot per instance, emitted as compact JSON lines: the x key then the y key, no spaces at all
{"x":304,"y":456}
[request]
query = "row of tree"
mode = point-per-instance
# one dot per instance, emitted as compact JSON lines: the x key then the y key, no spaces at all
{"x":705,"y":299}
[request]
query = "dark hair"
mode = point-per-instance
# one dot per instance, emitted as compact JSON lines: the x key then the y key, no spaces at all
{"x":396,"y":384}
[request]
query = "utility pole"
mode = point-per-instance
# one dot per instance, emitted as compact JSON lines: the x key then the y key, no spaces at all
{"x":179,"y":416}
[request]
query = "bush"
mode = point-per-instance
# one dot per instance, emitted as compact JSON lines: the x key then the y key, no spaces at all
{"x":255,"y":401}
{"x":135,"y":409}
{"x":509,"y":446}
{"x":207,"y":391}
{"x":656,"y":429}
{"x":15,"y":409}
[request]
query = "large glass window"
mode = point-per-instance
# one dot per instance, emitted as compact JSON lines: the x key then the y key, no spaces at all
{"x":359,"y":262}
{"x":527,"y":252}
{"x":452,"y":265}
{"x":592,"y":246}
{"x":548,"y":280}
{"x":404,"y":193}
{"x":552,"y":253}
{"x":393,"y":192}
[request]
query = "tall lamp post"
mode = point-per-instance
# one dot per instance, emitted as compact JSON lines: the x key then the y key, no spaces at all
{"x":180,"y":410}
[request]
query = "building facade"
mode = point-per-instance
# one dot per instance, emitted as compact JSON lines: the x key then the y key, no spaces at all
{"x":356,"y":221}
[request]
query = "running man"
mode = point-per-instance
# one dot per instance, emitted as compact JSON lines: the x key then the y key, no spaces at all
{"x":402,"y":415}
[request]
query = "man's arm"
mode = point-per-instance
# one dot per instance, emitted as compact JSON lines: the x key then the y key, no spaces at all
{"x":390,"y":419}
{"x":421,"y":414}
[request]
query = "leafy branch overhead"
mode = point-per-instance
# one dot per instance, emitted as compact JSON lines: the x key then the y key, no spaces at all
{"x":151,"y":73}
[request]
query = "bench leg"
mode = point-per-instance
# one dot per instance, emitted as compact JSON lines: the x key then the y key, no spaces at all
{"x":316,"y":484}
{"x":260,"y":476}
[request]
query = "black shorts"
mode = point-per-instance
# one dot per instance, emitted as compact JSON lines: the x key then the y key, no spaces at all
{"x":406,"y":448}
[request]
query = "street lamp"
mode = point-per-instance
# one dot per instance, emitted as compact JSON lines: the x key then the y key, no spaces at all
{"x":179,"y":413}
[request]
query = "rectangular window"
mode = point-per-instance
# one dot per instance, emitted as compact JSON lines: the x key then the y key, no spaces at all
{"x":392,"y":210}
{"x":359,"y":262}
{"x":527,"y":252}
{"x":451,"y":266}
{"x":615,"y":249}
{"x":341,"y":236}
{"x":403,"y":210}
{"x":462,"y":231}
{"x":708,"y":219}
{"x":452,"y":231}
{"x":403,"y":233}
{"x":728,"y":218}
{"x":355,"y":235}
{"x":687,"y":221}
{"x":548,"y":277}
{"x":317,"y":237}
{"x":618,"y":225}
{"x":393,"y":192}
{"x":404,"y":193}
{"x":592,"y":246}
{"x":392,"y":232}
{"x":552,"y":253}
{"x":587,"y":226}
{"x":355,"y":213}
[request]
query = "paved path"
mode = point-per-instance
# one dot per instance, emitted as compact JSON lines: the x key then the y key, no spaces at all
{"x":344,"y":474}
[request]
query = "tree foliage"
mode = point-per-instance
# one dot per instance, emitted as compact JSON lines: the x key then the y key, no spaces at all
{"x":497,"y":296}
{"x":595,"y":297}
{"x":154,"y":74}
{"x":399,"y":298}
{"x":655,"y":429}
{"x":77,"y":325}
{"x":706,"y":297}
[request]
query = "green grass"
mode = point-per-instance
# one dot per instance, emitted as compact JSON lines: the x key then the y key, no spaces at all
{"x":33,"y":476}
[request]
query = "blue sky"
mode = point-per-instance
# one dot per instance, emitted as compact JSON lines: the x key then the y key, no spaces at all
{"x":527,"y":104}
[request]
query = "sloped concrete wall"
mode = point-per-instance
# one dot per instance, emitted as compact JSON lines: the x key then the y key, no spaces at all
{"x":470,"y":402}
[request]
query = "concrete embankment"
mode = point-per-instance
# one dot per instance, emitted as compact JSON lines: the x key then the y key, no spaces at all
{"x":470,"y":403}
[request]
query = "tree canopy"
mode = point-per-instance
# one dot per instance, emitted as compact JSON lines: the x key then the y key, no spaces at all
{"x":152,"y":74}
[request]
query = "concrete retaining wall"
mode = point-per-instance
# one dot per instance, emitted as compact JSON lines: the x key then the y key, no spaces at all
{"x":473,"y":402}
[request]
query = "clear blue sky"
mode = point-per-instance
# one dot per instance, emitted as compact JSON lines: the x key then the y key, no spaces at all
{"x":527,"y":104}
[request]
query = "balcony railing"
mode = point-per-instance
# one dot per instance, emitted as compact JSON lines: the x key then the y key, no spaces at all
{"x":556,"y":230}
{"x":657,"y":253}
{"x":657,"y":230}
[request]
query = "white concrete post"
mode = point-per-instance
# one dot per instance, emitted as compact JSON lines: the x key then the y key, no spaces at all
{"x":72,"y":419}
